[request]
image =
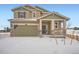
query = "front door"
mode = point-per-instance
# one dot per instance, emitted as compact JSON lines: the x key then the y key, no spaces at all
{"x":44,"y":29}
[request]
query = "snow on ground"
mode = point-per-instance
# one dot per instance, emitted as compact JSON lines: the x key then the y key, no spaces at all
{"x":37,"y":45}
{"x":70,"y":31}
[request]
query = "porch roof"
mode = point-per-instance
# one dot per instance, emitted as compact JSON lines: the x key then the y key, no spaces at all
{"x":67,"y":18}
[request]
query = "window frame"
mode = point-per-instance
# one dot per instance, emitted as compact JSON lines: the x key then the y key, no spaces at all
{"x":56,"y":25}
{"x":33,"y":14}
{"x":21,"y":14}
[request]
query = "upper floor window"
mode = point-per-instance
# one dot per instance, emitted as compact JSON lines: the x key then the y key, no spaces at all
{"x":21,"y":14}
{"x":33,"y":14}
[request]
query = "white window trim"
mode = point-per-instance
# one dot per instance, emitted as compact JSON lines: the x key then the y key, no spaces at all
{"x":25,"y":15}
{"x":35,"y":14}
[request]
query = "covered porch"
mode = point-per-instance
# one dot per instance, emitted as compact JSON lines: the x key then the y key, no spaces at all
{"x":53,"y":27}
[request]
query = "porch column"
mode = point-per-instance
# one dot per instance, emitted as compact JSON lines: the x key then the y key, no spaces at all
{"x":52,"y":26}
{"x":40,"y":27}
{"x":64,"y":27}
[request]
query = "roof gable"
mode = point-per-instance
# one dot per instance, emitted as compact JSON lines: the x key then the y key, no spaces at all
{"x":42,"y":9}
{"x":30,"y":8}
{"x":53,"y":15}
{"x":22,"y":8}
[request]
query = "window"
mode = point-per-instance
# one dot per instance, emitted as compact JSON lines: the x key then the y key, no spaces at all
{"x":55,"y":24}
{"x":21,"y":14}
{"x":33,"y":14}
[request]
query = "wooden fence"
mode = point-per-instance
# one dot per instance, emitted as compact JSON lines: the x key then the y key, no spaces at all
{"x":76,"y":37}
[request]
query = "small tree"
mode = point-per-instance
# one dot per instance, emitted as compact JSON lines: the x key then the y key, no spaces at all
{"x":68,"y":26}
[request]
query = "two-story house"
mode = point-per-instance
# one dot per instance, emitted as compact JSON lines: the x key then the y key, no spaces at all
{"x":36,"y":21}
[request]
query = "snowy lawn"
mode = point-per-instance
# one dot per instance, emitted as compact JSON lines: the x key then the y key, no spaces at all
{"x":37,"y":45}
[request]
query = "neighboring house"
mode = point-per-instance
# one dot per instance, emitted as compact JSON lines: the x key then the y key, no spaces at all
{"x":36,"y":21}
{"x":76,"y":28}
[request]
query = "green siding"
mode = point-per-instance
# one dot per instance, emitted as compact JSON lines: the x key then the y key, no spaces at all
{"x":30,"y":30}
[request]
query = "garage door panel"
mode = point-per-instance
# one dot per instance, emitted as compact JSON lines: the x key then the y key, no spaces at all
{"x":27,"y":30}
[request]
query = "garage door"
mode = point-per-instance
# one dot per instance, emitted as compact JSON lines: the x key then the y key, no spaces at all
{"x":27,"y":30}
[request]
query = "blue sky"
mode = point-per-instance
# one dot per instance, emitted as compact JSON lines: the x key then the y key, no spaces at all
{"x":69,"y":10}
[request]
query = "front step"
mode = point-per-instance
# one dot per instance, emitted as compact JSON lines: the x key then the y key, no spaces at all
{"x":46,"y":35}
{"x":54,"y":36}
{"x":57,"y":36}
